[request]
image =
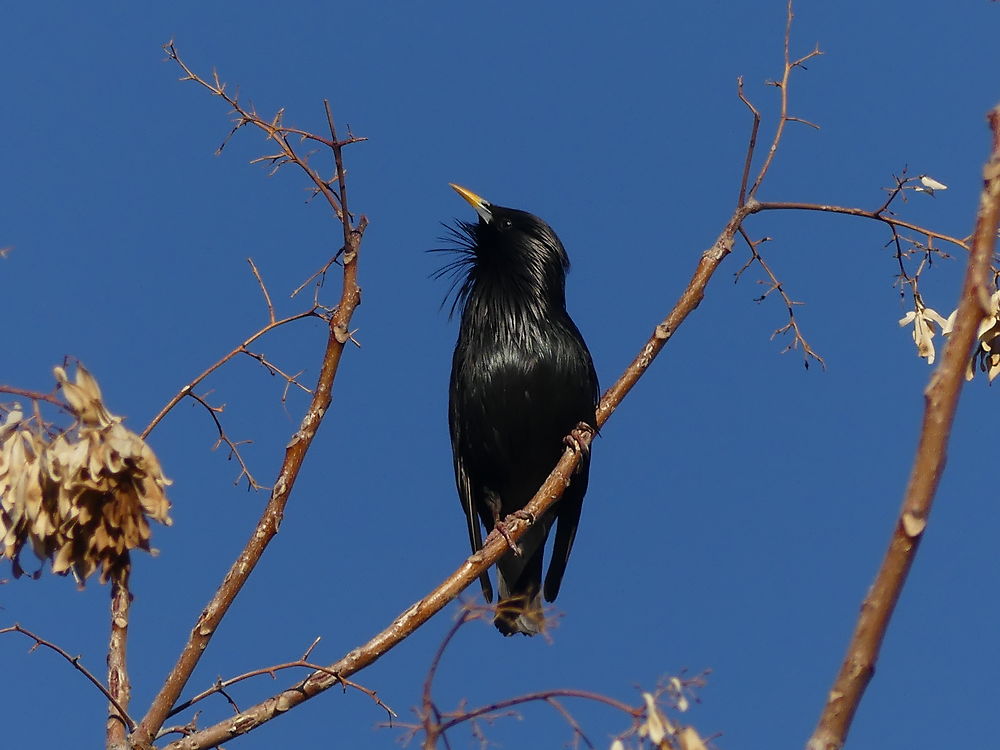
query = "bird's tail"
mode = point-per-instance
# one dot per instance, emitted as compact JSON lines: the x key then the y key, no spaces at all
{"x":519,"y":609}
{"x":520,"y":614}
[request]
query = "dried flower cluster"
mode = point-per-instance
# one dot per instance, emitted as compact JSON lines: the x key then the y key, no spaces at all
{"x":985,"y":356}
{"x":659,"y":730}
{"x":924,"y":320}
{"x":81,"y":499}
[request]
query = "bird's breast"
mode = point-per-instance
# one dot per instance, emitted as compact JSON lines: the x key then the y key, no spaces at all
{"x":516,"y":397}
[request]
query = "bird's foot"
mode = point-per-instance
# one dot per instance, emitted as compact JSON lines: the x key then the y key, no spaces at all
{"x":523,"y":515}
{"x":579,"y":438}
{"x":501,"y":528}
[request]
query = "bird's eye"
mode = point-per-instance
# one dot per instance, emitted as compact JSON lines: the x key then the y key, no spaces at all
{"x":506,"y":223}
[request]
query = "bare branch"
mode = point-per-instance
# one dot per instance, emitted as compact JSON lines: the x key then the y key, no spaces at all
{"x":939,"y":412}
{"x":863,"y":213}
{"x":183,"y":392}
{"x":748,"y":162}
{"x":798,"y":340}
{"x":234,"y":447}
{"x":320,"y":274}
{"x":263,"y":289}
{"x":290,"y":380}
{"x":296,"y":449}
{"x":220,"y":685}
{"x":276,"y":131}
{"x":784,"y":117}
{"x":48,"y":398}
{"x":75,"y":661}
{"x":118,"y":682}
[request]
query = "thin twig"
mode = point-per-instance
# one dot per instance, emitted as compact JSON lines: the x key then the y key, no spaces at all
{"x":75,"y":661}
{"x":573,"y":723}
{"x":861,"y":212}
{"x":234,"y":447}
{"x":782,"y":85}
{"x":35,"y":396}
{"x":542,"y":695}
{"x":220,"y":685}
{"x":321,"y":274}
{"x":430,"y":716}
{"x":290,"y":380}
{"x":263,"y":289}
{"x":183,"y":392}
{"x":748,"y":161}
{"x":798,"y":340}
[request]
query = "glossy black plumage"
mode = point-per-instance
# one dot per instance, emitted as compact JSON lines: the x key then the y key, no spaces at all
{"x":522,"y":379}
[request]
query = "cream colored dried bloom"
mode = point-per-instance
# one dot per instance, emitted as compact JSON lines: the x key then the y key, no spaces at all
{"x":986,"y":354}
{"x":923,"y":319}
{"x":657,"y":726}
{"x":689,"y":739}
{"x":82,"y":499}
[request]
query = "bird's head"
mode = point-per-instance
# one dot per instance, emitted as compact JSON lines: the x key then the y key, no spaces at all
{"x":507,"y":252}
{"x":508,"y":234}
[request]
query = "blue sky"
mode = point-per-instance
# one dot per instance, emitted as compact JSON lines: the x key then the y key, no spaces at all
{"x":739,"y":504}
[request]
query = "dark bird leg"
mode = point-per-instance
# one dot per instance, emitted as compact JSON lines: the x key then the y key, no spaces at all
{"x":500,"y":527}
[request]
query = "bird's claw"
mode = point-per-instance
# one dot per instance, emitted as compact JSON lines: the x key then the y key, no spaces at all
{"x":501,"y":529}
{"x":523,"y":515}
{"x":579,"y":438}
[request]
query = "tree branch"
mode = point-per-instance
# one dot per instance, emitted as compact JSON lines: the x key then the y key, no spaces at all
{"x":941,"y":402}
{"x":75,"y":661}
{"x":863,"y":213}
{"x":118,"y":682}
{"x":297,"y":447}
{"x":186,"y":390}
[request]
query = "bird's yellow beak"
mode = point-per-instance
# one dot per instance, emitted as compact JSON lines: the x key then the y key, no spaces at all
{"x":481,"y":205}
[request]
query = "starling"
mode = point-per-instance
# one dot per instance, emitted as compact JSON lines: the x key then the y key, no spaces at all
{"x":522,"y":379}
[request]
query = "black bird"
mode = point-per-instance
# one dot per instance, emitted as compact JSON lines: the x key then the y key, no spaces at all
{"x":522,"y":379}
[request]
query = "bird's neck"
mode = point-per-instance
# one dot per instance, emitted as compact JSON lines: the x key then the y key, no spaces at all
{"x":506,"y":306}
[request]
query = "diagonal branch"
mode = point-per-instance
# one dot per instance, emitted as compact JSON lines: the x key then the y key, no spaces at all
{"x":183,"y":392}
{"x":941,"y":402}
{"x":267,"y":526}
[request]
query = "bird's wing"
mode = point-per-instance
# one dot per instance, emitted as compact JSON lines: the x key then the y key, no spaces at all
{"x":568,"y":515}
{"x":466,"y":495}
{"x":569,"y":506}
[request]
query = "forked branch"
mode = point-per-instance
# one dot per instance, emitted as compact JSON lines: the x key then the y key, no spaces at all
{"x":296,"y":449}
